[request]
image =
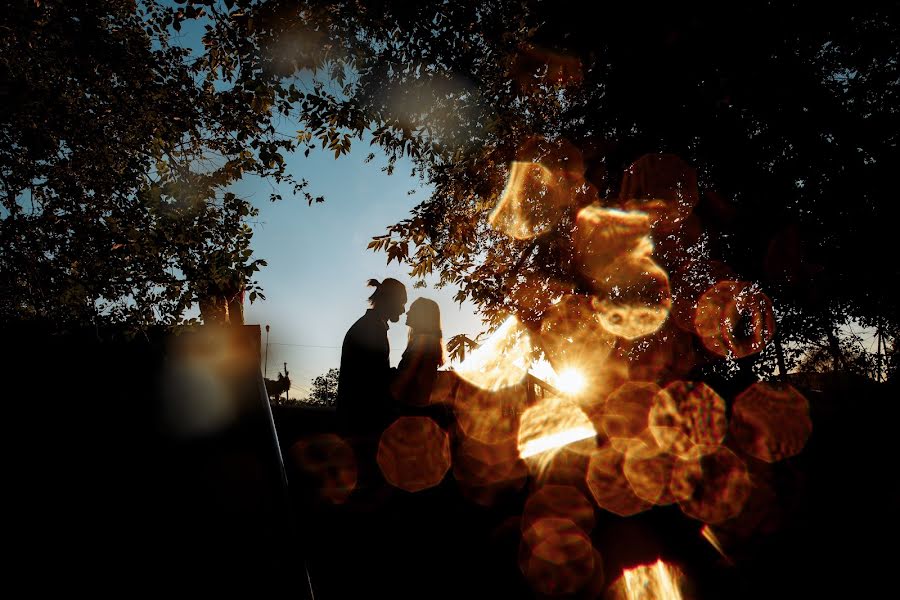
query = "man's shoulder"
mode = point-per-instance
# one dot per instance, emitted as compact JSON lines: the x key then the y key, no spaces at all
{"x":365,"y":327}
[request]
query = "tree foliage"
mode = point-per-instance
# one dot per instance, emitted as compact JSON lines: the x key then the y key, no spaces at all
{"x":324,"y":389}
{"x":787,"y":113}
{"x":118,"y":147}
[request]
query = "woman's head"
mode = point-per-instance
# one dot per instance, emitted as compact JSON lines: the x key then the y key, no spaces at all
{"x":424,"y":317}
{"x":389,"y":298}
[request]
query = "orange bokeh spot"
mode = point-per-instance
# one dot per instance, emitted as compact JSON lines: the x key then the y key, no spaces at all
{"x":734,"y":318}
{"x":633,"y":297}
{"x":546,"y":179}
{"x":495,"y":466}
{"x":556,"y":556}
{"x":414,"y":453}
{"x":605,"y":235}
{"x":626,"y":413}
{"x":649,"y":472}
{"x":563,"y":501}
{"x":691,"y":279}
{"x":531,"y":203}
{"x":770,"y":422}
{"x":328,"y":461}
{"x":688,"y":419}
{"x":663,"y":186}
{"x":609,"y":486}
{"x":711,"y":488}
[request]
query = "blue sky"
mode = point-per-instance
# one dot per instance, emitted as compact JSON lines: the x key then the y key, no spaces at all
{"x":318,"y":264}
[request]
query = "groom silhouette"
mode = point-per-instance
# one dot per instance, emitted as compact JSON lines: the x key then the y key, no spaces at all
{"x":364,"y":404}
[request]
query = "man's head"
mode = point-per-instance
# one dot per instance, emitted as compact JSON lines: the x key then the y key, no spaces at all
{"x":389,"y":298}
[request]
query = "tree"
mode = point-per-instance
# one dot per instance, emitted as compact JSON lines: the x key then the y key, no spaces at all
{"x":117,"y":150}
{"x":324,"y":389}
{"x":789,"y":118}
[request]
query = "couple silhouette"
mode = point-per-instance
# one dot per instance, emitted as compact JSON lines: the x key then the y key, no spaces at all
{"x":371,"y":394}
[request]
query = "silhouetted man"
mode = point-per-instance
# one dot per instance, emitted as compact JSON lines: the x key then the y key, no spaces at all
{"x":364,"y":402}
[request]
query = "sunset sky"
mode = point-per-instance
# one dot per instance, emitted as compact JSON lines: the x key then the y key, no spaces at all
{"x":318,"y":265}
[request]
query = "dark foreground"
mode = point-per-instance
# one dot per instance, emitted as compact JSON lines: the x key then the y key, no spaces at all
{"x":117,"y":486}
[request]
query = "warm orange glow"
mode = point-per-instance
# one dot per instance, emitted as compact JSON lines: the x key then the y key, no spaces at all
{"x":414,"y":453}
{"x":489,"y":417}
{"x":573,"y":339}
{"x":649,"y":471}
{"x":563,"y":501}
{"x":734,"y":318}
{"x":633,"y":297}
{"x":571,"y":381}
{"x":711,"y":488}
{"x":608,"y":485}
{"x":329,"y":464}
{"x":770,"y":422}
{"x":688,"y":419}
{"x":613,"y":250}
{"x":557,"y":557}
{"x":478,"y":463}
{"x":502,"y":360}
{"x":626,"y":413}
{"x":550,"y":425}
{"x":605,"y":235}
{"x":531,"y":203}
{"x":659,"y":581}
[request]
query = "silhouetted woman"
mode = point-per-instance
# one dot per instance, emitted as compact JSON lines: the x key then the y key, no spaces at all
{"x":424,"y":353}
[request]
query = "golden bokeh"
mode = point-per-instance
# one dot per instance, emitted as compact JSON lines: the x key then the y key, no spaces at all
{"x":564,"y":501}
{"x":502,"y":360}
{"x":626,"y":413}
{"x":734,"y":318}
{"x":605,"y":235}
{"x":633,"y":297}
{"x":329,"y":463}
{"x":556,"y":556}
{"x":688,"y":419}
{"x":649,"y":472}
{"x":476,"y":462}
{"x":414,"y":453}
{"x":711,"y":488}
{"x":531,"y":204}
{"x":608,"y":485}
{"x":770,"y":422}
{"x":573,"y":338}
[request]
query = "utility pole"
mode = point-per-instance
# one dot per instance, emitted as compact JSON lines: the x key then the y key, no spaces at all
{"x":266,"y":363}
{"x":287,"y":392}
